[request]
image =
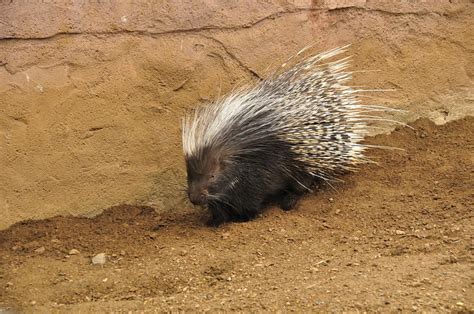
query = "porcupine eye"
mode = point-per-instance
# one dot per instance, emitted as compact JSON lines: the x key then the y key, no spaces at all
{"x":214,"y":170}
{"x":211,"y":180}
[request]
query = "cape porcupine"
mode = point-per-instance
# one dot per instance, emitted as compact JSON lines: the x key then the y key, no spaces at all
{"x":273,"y":141}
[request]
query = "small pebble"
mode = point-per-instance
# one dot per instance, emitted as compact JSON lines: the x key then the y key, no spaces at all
{"x":99,"y":259}
{"x":326,"y":225}
{"x":40,"y":250}
{"x":399,"y":232}
{"x":73,"y":252}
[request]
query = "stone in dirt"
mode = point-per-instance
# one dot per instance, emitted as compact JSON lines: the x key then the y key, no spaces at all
{"x":40,"y":250}
{"x":99,"y":259}
{"x":73,"y":252}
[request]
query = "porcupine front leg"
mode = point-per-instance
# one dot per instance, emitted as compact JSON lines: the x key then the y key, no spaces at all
{"x":249,"y":211}
{"x":245,"y":205}
{"x":289,"y":201}
{"x":219,"y":214}
{"x":242,"y":198}
{"x":239,"y":206}
{"x":247,"y":199}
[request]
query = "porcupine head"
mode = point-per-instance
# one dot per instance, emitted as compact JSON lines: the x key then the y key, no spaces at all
{"x":269,"y":143}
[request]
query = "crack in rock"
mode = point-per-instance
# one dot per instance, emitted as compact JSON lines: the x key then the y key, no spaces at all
{"x":211,"y":27}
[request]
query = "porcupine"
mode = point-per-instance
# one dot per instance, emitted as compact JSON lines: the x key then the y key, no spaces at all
{"x":272,"y":142}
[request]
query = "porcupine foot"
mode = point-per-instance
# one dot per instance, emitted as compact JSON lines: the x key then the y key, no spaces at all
{"x":291,"y":197}
{"x":218,"y":219}
{"x":289,"y":201}
{"x":221,"y":213}
{"x":218,"y":216}
{"x":244,"y":217}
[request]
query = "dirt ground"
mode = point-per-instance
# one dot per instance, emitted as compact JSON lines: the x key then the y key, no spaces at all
{"x":394,"y":236}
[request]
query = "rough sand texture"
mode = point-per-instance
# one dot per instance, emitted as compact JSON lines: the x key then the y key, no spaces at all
{"x":394,"y":236}
{"x":92,"y":93}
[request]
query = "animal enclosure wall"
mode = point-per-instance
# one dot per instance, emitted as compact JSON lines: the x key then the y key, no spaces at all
{"x":92,"y":93}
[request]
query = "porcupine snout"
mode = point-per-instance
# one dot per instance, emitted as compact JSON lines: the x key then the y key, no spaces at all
{"x":198,"y":196}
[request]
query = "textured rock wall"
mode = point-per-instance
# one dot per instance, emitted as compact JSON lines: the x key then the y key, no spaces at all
{"x":92,"y":92}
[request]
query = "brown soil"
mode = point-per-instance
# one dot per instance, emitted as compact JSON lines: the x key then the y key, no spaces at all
{"x":393,"y":236}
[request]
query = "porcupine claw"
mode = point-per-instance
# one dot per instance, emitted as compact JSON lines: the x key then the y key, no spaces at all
{"x":289,"y":201}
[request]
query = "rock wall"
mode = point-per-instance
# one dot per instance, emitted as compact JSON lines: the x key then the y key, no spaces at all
{"x":92,"y":92}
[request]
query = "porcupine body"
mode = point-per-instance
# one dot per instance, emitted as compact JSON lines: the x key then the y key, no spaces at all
{"x":273,"y":141}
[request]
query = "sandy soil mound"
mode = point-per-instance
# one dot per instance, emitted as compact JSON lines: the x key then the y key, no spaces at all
{"x":393,"y":236}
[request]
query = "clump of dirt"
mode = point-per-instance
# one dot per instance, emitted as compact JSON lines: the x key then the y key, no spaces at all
{"x":394,"y":236}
